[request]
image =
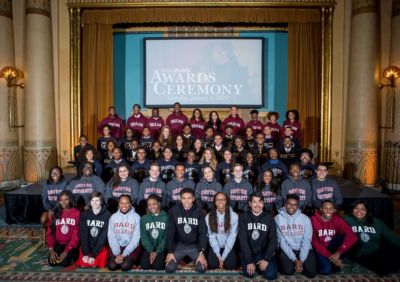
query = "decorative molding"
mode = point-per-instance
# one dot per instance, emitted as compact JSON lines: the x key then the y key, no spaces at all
{"x":364,"y":6}
{"x":41,"y":7}
{"x":9,"y":164}
{"x":200,"y":3}
{"x":6,"y":8}
{"x":9,"y":143}
{"x":39,"y":144}
{"x":395,"y":8}
{"x":38,"y":162}
{"x":361,"y":166}
{"x":362,"y":145}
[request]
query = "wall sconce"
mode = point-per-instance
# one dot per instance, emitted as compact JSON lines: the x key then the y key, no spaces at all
{"x":391,"y":73}
{"x":12,"y":75}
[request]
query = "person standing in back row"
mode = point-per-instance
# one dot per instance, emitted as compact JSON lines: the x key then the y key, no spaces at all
{"x":176,"y":120}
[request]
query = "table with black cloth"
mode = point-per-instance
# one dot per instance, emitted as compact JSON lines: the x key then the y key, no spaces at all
{"x":24,"y":205}
{"x":379,"y":204}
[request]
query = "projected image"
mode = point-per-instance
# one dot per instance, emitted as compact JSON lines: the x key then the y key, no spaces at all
{"x":204,"y":72}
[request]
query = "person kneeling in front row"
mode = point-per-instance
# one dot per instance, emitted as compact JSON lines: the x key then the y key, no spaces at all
{"x":258,"y":240}
{"x":186,"y":233}
{"x":294,"y":238}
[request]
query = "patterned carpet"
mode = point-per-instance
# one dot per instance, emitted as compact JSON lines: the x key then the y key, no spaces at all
{"x":23,"y":257}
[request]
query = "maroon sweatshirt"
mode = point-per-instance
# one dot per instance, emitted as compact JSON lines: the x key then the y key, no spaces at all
{"x":136,"y":123}
{"x":67,"y":230}
{"x":176,"y":121}
{"x":155,"y":125}
{"x":197,"y":127}
{"x":236,"y":122}
{"x":117,"y":126}
{"x":325,"y":231}
{"x":275,"y":130}
{"x":257,"y":126}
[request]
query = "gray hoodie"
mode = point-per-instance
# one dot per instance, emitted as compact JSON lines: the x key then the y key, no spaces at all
{"x":238,"y":194}
{"x":327,"y":189}
{"x":124,"y":231}
{"x":205,"y":192}
{"x":299,"y":187}
{"x":294,"y":233}
{"x":174,"y":188}
{"x":221,"y":239}
{"x":149,"y":187}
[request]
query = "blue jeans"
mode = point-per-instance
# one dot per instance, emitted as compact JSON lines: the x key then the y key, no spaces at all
{"x":325,"y":266}
{"x":271,"y":273}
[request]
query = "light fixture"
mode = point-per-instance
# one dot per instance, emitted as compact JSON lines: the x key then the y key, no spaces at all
{"x":391,"y":73}
{"x":12,"y":75}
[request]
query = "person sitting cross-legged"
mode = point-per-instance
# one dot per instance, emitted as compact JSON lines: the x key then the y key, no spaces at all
{"x":294,"y":238}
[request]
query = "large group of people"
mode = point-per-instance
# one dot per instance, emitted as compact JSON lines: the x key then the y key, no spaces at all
{"x":221,"y":193}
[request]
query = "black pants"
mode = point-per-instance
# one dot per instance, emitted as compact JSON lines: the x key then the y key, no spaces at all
{"x":383,"y":262}
{"x":287,"y":267}
{"x":127,"y":263}
{"x":182,"y":251}
{"x":68,"y":260}
{"x":158,"y":263}
{"x":230,"y":261}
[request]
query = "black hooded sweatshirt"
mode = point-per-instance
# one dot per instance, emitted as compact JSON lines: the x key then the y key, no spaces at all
{"x":93,"y":231}
{"x":257,"y":234}
{"x":187,"y":227}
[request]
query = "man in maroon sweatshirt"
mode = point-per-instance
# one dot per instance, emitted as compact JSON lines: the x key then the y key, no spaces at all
{"x":332,"y":237}
{"x":137,"y":121}
{"x":235,"y":121}
{"x":115,"y":122}
{"x":176,"y":120}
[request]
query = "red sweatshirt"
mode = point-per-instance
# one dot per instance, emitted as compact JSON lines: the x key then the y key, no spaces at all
{"x":325,"y":231}
{"x":176,"y":121}
{"x":136,"y":123}
{"x":197,"y":127}
{"x":67,"y":230}
{"x":236,"y":122}
{"x":257,"y":126}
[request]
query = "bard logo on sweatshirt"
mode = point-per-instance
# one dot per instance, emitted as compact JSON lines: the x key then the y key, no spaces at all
{"x":256,"y":226}
{"x":327,"y":233}
{"x":292,"y":229}
{"x":65,"y":222}
{"x":364,"y":230}
{"x":157,"y":225}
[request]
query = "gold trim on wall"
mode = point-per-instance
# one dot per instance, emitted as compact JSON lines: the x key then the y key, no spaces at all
{"x":326,"y":83}
{"x":75,"y":77}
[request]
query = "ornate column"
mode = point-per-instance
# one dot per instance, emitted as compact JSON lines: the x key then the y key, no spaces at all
{"x":362,"y":105}
{"x":40,"y":129}
{"x":9,"y":147}
{"x":391,"y":149}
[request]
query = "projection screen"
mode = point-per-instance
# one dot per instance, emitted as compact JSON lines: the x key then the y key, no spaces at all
{"x":197,"y":72}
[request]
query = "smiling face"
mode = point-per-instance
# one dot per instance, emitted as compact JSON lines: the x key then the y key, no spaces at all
{"x":294,"y":172}
{"x":207,"y":155}
{"x":217,"y":140}
{"x":238,"y":172}
{"x":179,"y":140}
{"x":187,"y":200}
{"x":179,"y":172}
{"x":221,"y":201}
{"x":177,"y":108}
{"x":154,"y":171}
{"x":153,"y":206}
{"x":117,"y":154}
{"x":167,"y":153}
{"x":267,"y":177}
{"x":95,"y":203}
{"x":65,"y":202}
{"x":55,"y":175}
{"x":227,"y":156}
{"x":256,"y":205}
{"x":124,"y":204}
{"x":327,"y":210}
{"x":106,"y":131}
{"x":208,"y":174}
{"x":360,"y":211}
{"x":322,"y":172}
{"x":291,"y":206}
{"x":123,"y":173}
{"x":87,"y":169}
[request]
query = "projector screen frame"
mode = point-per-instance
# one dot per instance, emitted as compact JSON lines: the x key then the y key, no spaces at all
{"x":162,"y":106}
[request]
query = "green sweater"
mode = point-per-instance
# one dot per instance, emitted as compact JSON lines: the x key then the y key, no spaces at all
{"x":370,"y":236}
{"x":152,"y":232}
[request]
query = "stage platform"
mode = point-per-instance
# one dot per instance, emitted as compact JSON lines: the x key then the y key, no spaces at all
{"x":24,"y":205}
